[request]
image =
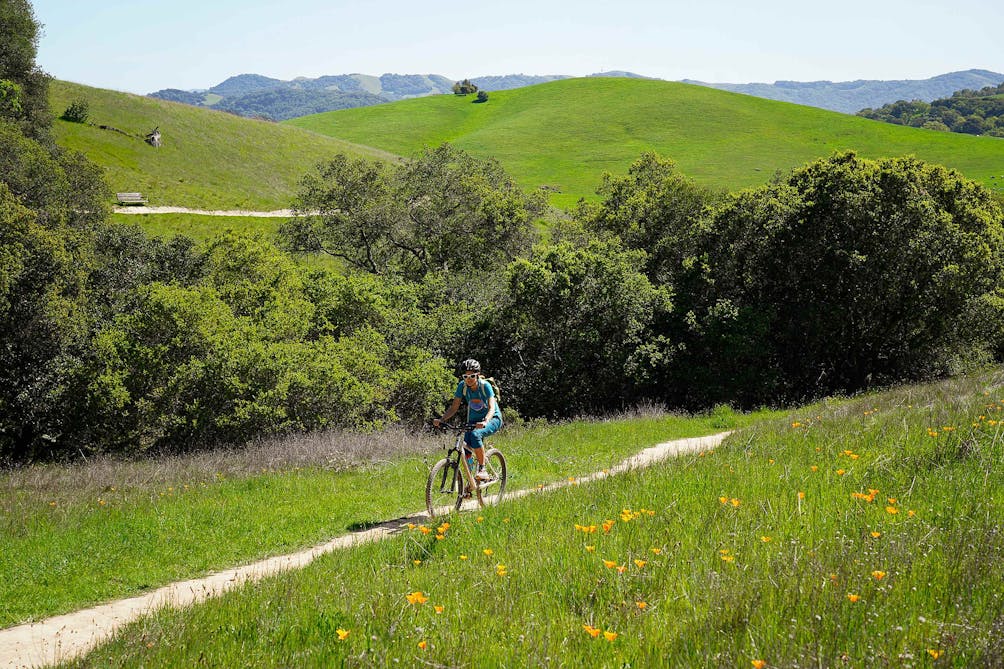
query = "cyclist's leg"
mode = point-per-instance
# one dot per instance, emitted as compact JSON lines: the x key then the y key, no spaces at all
{"x":475,"y":438}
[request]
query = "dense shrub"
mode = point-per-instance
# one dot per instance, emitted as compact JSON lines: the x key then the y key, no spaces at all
{"x":575,"y":332}
{"x":845,"y":273}
{"x":77,"y":112}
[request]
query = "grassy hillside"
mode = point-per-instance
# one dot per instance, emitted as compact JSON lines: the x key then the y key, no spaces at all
{"x":860,"y":533}
{"x":209,"y":159}
{"x":565,"y":134}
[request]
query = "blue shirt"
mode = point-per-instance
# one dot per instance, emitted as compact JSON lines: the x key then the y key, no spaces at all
{"x":477,"y":401}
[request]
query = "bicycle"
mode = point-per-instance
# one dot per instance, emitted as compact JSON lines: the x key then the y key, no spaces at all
{"x":451,"y":480}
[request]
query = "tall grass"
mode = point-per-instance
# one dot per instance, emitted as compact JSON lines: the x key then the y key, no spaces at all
{"x":565,"y":134}
{"x":75,"y":535}
{"x":851,"y":533}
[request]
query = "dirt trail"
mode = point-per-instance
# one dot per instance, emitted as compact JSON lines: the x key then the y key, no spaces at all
{"x":64,"y":637}
{"x":278,"y":213}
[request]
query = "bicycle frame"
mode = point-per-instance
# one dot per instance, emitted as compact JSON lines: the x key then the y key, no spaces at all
{"x":452,"y":479}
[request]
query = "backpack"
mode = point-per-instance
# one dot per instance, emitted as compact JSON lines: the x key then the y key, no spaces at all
{"x":494,"y":386}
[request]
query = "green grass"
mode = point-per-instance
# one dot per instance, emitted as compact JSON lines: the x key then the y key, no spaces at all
{"x":199,"y":227}
{"x":762,"y":552}
{"x":565,"y":134}
{"x":76,"y":543}
{"x":209,"y":159}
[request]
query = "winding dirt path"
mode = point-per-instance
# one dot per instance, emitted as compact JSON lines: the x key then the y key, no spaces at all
{"x":64,"y":637}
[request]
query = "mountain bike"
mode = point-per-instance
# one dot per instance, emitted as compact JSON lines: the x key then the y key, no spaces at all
{"x":451,"y":480}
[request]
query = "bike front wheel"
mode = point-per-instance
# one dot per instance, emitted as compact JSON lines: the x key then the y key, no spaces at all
{"x":444,"y":489}
{"x":491,"y":491}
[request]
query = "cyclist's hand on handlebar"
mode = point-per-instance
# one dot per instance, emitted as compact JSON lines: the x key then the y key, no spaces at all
{"x":436,"y":423}
{"x":481,"y":424}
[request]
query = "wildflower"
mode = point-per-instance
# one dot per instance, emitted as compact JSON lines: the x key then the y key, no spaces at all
{"x":891,"y":509}
{"x":621,"y":569}
{"x":591,"y":631}
{"x":438,"y":609}
{"x":342,"y":634}
{"x":416,"y":562}
{"x":934,"y":653}
{"x":854,"y":456}
{"x":52,"y":504}
{"x":609,"y":564}
{"x":463,"y":557}
{"x":608,"y":525}
{"x":442,"y":528}
{"x":801,"y":495}
{"x":501,"y":570}
{"x":610,"y":636}
{"x":879,"y":575}
{"x":758,"y":664}
{"x":422,"y":644}
{"x":853,"y":597}
{"x":488,"y":552}
{"x":416,"y":598}
{"x":656,"y":551}
{"x":893,"y":500}
{"x":796,"y":424}
{"x":735,"y":502}
{"x":424,"y":530}
{"x":480,"y":519}
{"x":590,"y":549}
{"x":814,"y":468}
{"x":412,"y":526}
{"x":765,"y":539}
{"x":640,"y":563}
{"x":841,"y":472}
{"x":723,"y":500}
{"x":440,"y":537}
{"x":729,"y":558}
{"x":641,"y":605}
{"x":876,"y":535}
{"x":911,"y":513}
{"x":101,"y":502}
{"x":770,"y":461}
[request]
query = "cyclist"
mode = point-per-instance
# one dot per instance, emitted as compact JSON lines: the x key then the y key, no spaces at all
{"x":482,"y":411}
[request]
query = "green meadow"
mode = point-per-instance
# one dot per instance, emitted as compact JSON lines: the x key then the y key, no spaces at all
{"x":565,"y":134}
{"x":78,"y":535}
{"x":199,"y":227}
{"x":860,"y":532}
{"x":209,"y":159}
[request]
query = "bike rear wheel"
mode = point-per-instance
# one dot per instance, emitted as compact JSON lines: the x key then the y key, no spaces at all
{"x":491,"y":491}
{"x":444,"y":489}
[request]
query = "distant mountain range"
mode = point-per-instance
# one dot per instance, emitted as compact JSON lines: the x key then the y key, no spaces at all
{"x":852,"y":96}
{"x":254,"y":95}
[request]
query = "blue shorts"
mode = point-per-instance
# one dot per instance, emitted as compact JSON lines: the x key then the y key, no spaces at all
{"x":474,"y":438}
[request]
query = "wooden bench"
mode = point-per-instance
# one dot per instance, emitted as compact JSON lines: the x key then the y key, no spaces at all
{"x":128,"y":199}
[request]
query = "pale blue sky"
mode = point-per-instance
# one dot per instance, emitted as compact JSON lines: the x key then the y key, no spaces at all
{"x":145,"y":45}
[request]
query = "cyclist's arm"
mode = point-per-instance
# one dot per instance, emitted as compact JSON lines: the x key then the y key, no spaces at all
{"x":449,"y":412}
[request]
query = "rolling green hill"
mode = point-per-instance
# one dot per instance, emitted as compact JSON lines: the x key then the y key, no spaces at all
{"x":565,"y":134}
{"x":209,"y":159}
